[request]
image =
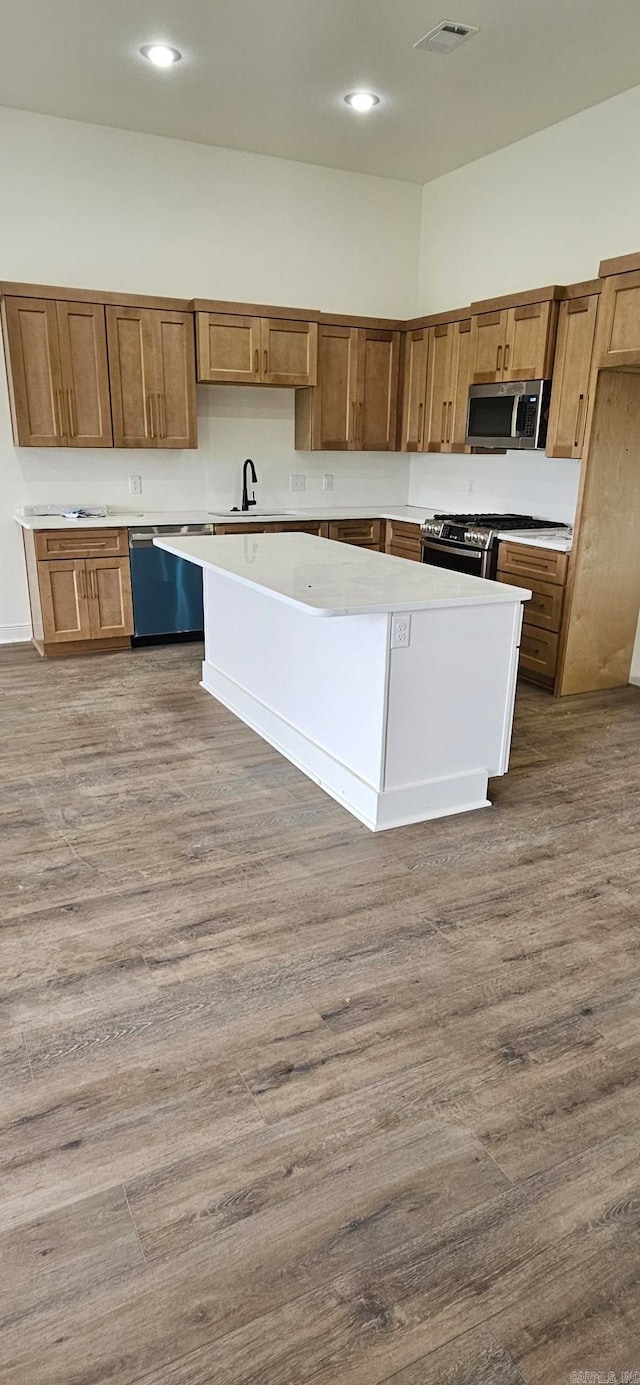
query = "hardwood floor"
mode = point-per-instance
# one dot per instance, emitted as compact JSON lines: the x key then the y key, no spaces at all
{"x":285,"y":1102}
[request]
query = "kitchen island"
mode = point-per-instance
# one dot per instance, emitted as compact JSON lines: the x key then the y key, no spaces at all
{"x":389,"y":683}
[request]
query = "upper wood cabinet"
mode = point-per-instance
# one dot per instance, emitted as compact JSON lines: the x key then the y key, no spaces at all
{"x":571,"y":373}
{"x":58,"y":376}
{"x":152,"y":367}
{"x":513,"y":343}
{"x":436,"y":388}
{"x":378,"y":373}
{"x":619,"y":334}
{"x":239,"y":349}
{"x":228,"y":348}
{"x":354,"y":406}
{"x":414,"y":388}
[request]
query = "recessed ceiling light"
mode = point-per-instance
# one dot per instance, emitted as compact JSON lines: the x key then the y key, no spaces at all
{"x":362,"y":100}
{"x":160,"y":55}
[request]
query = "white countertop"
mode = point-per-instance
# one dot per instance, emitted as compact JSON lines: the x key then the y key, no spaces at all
{"x":132,"y":519}
{"x":337,"y":579}
{"x":540,"y":538}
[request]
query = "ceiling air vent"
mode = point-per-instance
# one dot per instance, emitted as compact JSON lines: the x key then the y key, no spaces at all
{"x":446,"y":36}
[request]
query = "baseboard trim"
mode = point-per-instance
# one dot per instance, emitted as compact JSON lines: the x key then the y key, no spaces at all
{"x":14,"y":634}
{"x":377,"y":810}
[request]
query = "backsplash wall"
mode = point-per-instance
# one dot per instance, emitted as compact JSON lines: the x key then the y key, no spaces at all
{"x":517,"y":482}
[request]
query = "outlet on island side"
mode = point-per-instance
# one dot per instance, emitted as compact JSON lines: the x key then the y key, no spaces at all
{"x":400,"y":632}
{"x":135,"y":485}
{"x":297,"y":481}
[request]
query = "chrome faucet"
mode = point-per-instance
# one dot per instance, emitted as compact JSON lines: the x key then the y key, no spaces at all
{"x":246,"y":502}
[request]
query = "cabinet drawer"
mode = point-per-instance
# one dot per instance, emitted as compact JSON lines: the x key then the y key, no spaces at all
{"x":529,"y":563}
{"x":365,"y":532}
{"x":538,"y":652}
{"x":405,"y":550}
{"x":81,"y":543}
{"x":310,"y":526}
{"x":545,"y":607}
{"x":247,"y":528}
{"x":400,"y":533}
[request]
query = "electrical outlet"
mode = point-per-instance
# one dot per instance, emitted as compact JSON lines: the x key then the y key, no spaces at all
{"x":400,"y":632}
{"x":470,"y":486}
{"x":327,"y":481}
{"x":297,"y":482}
{"x":135,"y":485}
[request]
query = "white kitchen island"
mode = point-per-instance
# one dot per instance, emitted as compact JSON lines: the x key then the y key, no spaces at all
{"x":390,"y":683}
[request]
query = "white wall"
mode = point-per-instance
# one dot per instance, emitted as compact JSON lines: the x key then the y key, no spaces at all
{"x":543,"y":211}
{"x":513,"y":483}
{"x":89,"y":207}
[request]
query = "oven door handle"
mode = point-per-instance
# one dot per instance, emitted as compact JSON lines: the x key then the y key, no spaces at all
{"x":464,"y":550}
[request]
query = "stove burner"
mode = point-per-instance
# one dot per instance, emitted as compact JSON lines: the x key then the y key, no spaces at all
{"x":491,"y":521}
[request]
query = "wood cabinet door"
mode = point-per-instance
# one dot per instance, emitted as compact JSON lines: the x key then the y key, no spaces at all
{"x":130,"y":339}
{"x":439,"y":406}
{"x":528,"y":345}
{"x":175,"y":379}
{"x":378,"y":375}
{"x":109,"y":596}
{"x":460,"y":370}
{"x":488,"y":336}
{"x":364,"y":533}
{"x":228,"y":348}
{"x":414,"y":389}
{"x":336,"y":393}
{"x":619,"y":337}
{"x":289,"y":352}
{"x":64,"y":600}
{"x":571,"y":371}
{"x":82,"y":337}
{"x":35,"y":375}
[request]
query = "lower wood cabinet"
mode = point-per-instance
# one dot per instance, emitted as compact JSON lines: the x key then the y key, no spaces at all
{"x":403,"y":540}
{"x":543,"y":571}
{"x":79,"y":604}
{"x":365,"y":533}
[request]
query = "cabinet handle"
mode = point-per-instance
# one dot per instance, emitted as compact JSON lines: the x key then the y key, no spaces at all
{"x":420,"y":424}
{"x":499,"y":360}
{"x":449,"y":413}
{"x":73,"y":432}
{"x":351,"y":431}
{"x":93,"y":583}
{"x":266,"y":362}
{"x":578,"y":419}
{"x":150,"y":422}
{"x":444,"y":421}
{"x":59,"y":415}
{"x":82,"y":584}
{"x":256,"y":370}
{"x":506,"y":355}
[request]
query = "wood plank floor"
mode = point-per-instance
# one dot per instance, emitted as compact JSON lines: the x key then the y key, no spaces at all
{"x":286,"y":1102}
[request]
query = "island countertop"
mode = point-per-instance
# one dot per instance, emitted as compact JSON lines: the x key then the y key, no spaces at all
{"x":326,"y":578}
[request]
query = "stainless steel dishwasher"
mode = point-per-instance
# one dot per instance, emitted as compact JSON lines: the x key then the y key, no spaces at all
{"x":167,"y":591}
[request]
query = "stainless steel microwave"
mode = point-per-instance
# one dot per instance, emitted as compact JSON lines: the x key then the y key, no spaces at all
{"x":511,"y":414}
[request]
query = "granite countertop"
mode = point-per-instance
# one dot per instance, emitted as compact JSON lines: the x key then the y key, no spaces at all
{"x":336,"y":579}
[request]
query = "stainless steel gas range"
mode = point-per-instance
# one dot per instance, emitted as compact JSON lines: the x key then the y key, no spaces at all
{"x":469,"y":543}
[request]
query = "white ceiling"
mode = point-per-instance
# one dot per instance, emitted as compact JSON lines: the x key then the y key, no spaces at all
{"x":269,"y":75}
